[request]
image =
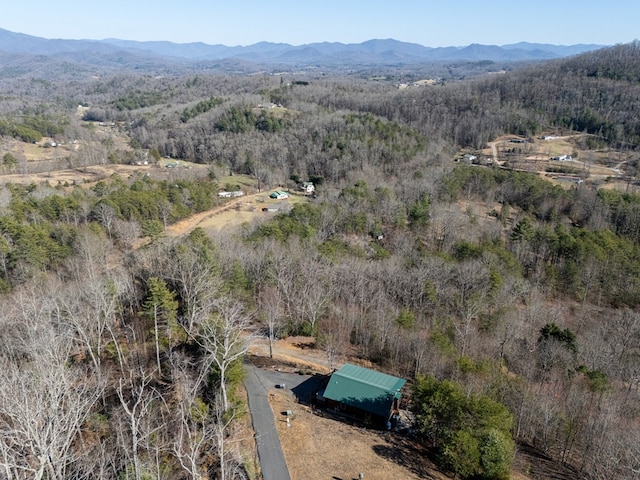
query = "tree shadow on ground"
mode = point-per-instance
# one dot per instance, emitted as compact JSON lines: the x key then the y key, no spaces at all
{"x":408,"y":454}
{"x":539,"y":465}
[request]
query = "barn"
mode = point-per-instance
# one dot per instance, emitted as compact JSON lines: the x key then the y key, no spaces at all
{"x":369,"y":395}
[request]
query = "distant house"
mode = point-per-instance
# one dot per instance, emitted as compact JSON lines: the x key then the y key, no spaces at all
{"x":237,"y":193}
{"x":378,"y":235}
{"x":569,"y":178}
{"x":363,"y":393}
{"x":562,"y":158}
{"x":468,"y":158}
{"x":279,"y":195}
{"x":307,"y":187}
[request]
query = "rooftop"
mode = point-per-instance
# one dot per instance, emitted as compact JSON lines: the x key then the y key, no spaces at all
{"x":363,"y":388}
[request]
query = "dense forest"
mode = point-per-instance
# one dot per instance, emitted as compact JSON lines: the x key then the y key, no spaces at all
{"x":510,"y":302}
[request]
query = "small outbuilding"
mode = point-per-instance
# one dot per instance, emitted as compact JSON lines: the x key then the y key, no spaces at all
{"x":366,"y":394}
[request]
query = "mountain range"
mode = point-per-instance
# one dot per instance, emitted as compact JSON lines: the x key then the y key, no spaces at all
{"x":370,"y":53}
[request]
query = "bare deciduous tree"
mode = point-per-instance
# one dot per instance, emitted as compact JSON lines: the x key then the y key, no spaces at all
{"x":270,"y":304}
{"x":198,"y":283}
{"x":44,"y":401}
{"x":225,"y":337}
{"x":137,"y":399}
{"x":194,"y":425}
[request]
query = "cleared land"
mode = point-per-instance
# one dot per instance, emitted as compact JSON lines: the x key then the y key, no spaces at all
{"x":318,"y":447}
{"x":602,"y":167}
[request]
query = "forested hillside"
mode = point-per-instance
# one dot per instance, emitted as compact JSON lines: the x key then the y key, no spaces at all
{"x":509,"y":301}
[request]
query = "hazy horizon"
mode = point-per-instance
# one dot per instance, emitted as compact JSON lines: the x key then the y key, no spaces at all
{"x":426,"y":23}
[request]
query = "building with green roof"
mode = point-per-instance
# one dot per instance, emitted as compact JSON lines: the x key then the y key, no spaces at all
{"x":279,"y":194}
{"x":364,"y":393}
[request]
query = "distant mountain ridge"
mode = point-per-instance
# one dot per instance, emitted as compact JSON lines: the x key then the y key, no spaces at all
{"x":376,"y":51}
{"x":371,"y":51}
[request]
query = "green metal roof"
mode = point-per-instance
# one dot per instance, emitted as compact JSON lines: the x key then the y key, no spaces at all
{"x":364,"y":389}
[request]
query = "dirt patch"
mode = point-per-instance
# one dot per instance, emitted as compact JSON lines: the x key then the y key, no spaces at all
{"x":319,"y":448}
{"x":242,"y":210}
{"x":287,"y":354}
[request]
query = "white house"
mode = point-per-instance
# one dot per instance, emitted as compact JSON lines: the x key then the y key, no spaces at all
{"x":468,"y":158}
{"x":307,"y":187}
{"x":562,"y":158}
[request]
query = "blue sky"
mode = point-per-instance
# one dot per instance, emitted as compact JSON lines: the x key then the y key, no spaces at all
{"x":244,"y":22}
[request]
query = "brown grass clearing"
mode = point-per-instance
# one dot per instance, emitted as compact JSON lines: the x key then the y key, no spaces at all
{"x":319,"y":448}
{"x":234,"y":213}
